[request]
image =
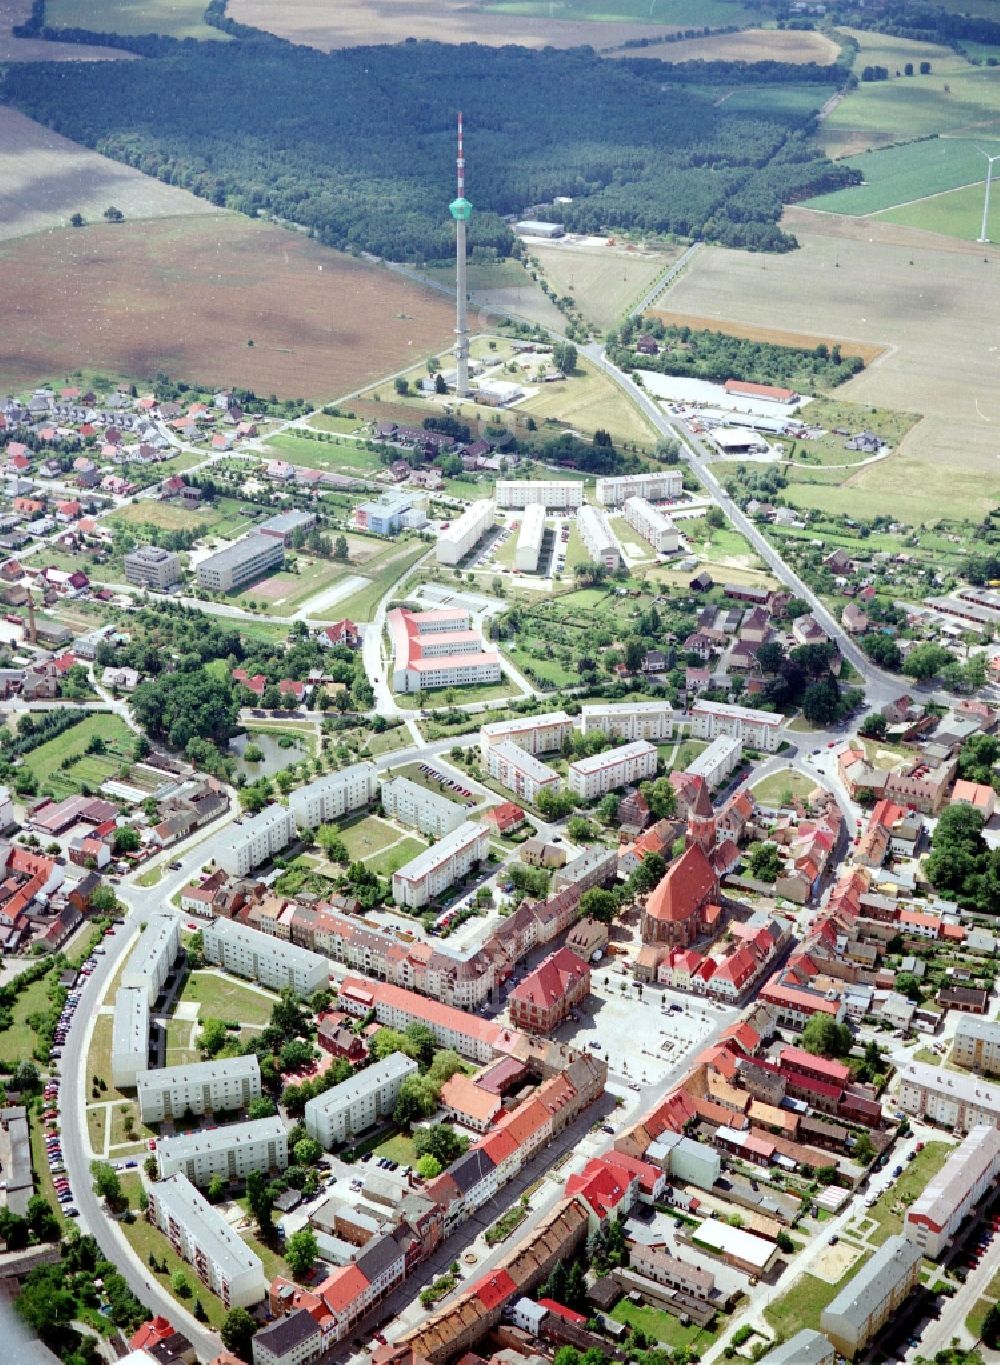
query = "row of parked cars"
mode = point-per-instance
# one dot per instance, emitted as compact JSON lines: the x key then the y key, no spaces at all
{"x":53,"y":1149}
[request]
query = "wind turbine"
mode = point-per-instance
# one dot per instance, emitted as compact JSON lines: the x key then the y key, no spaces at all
{"x":989,"y":180}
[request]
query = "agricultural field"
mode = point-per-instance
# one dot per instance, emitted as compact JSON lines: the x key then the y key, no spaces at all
{"x":605,"y":281}
{"x":881,"y":285}
{"x":173,"y":18}
{"x":957,"y":213}
{"x":62,"y":766}
{"x":37,"y":49}
{"x":913,"y":171}
{"x":754,"y":331}
{"x":751,"y":45}
{"x":186,"y":295}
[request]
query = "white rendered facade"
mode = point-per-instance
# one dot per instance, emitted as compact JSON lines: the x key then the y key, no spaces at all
{"x":529,"y":539}
{"x":129,"y":1036}
{"x":241,"y":562}
{"x":596,"y":533}
{"x":715,"y":763}
{"x":201,"y":1236}
{"x":601,"y":773}
{"x":434,"y":870}
{"x":334,"y":795}
{"x":534,"y":734}
{"x":202,"y":1087}
{"x":413,"y":805}
{"x":660,"y":484}
{"x":653,"y":720}
{"x":262,"y":958}
{"x":948,"y":1098}
{"x":652,"y":524}
{"x":231,"y":1151}
{"x":358,"y":1102}
{"x":438,"y":649}
{"x":758,"y":729}
{"x":461,"y":535}
{"x":152,"y":957}
{"x":954,"y":1192}
{"x":239,"y":848}
{"x":520,"y":772}
{"x":559,"y":493}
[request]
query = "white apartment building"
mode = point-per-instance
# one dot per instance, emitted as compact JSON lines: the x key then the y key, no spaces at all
{"x":535,"y":734}
{"x":520,"y":772}
{"x":652,"y":720}
{"x":529,"y":539}
{"x":129,"y":1036}
{"x":596,"y":533}
{"x":330,"y":797}
{"x":656,"y":486}
{"x":433,"y":871}
{"x":231,"y":1151}
{"x":241,"y":847}
{"x":602,"y":773}
{"x":955,"y":1192}
{"x":149,"y":962}
{"x":976,"y":1045}
{"x":948,"y":1098}
{"x":718,"y":761}
{"x":150,"y":566}
{"x":359,"y":1102}
{"x":757,"y":729}
{"x":461,"y":535}
{"x":413,"y":805}
{"x":872,"y":1296}
{"x":241,"y":562}
{"x":202,"y":1087}
{"x":262,"y":958}
{"x":653,"y":525}
{"x":438,"y":649}
{"x":561,"y":493}
{"x":200,"y":1235}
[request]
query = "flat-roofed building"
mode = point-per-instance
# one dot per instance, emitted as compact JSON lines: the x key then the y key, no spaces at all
{"x":653,"y":525}
{"x":976,"y":1045}
{"x":240,"y":563}
{"x":200,"y":1235}
{"x":359,"y":1102}
{"x":520,"y":771}
{"x":804,"y":1348}
{"x":657,"y":485}
{"x":872,"y":1296}
{"x":202,"y":1087}
{"x":433,"y":871}
{"x":600,"y":773}
{"x":651,"y":720}
{"x":954,"y":1192}
{"x":558,"y":493}
{"x":284,"y":525}
{"x":417,"y":806}
{"x":330,"y":797}
{"x":465,"y":533}
{"x":151,"y":566}
{"x":263,"y":958}
{"x":129,"y":1036}
{"x":149,"y":962}
{"x":757,"y":729}
{"x":718,"y":761}
{"x":239,"y":848}
{"x":529,"y":539}
{"x":535,"y":734}
{"x":954,"y":1101}
{"x":601,"y":542}
{"x":745,"y":1250}
{"x":231,"y":1151}
{"x":438,"y":649}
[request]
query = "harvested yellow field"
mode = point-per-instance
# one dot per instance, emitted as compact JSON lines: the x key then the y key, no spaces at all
{"x":606,"y":281}
{"x":752,"y":45}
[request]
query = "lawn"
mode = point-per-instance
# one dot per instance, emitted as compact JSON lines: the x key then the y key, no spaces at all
{"x":800,"y":1307}
{"x":367,"y":836}
{"x":341,"y":456}
{"x":361,"y":605}
{"x":662,"y":1326}
{"x":544,"y":670}
{"x":446,"y":695}
{"x":390,"y":860}
{"x":222,"y":998}
{"x":912,"y":171}
{"x":145,"y":1239}
{"x":281,"y":593}
{"x":957,"y":213}
{"x":18,"y":1041}
{"x":832,"y":414}
{"x":782,"y":787}
{"x":586,"y":401}
{"x":399,"y":1148}
{"x":388,"y":740}
{"x":604,"y":281}
{"x":687,"y":752}
{"x":46,"y":762}
{"x":99,"y":1056}
{"x":890,"y":1208}
{"x":179,"y":1035}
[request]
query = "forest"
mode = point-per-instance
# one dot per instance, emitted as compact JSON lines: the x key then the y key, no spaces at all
{"x":358,"y":146}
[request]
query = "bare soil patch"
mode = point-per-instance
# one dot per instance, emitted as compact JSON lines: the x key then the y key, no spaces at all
{"x":751,"y":45}
{"x":187,"y":295}
{"x":776,"y":336}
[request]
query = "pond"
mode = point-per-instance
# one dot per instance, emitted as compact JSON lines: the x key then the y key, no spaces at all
{"x":276,"y":756}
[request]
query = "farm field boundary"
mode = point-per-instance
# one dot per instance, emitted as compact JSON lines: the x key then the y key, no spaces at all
{"x":775,"y":336}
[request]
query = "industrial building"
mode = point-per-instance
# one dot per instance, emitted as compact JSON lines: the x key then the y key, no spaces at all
{"x":241,"y":563}
{"x":269,"y":961}
{"x":520,"y":771}
{"x":954,"y":1192}
{"x":652,"y":720}
{"x":976,"y":1045}
{"x":149,"y":962}
{"x":150,"y":566}
{"x":656,"y":486}
{"x":465,"y":533}
{"x":535,"y":227}
{"x":542,"y":734}
{"x":872,"y":1296}
{"x":330,"y":797}
{"x":359,"y":1102}
{"x":601,"y":542}
{"x":438,"y":649}
{"x":653,"y":525}
{"x":241,"y":847}
{"x":200,"y":1235}
{"x":719,"y":761}
{"x":284,"y":525}
{"x":433,"y":871}
{"x":592,"y":777}
{"x":757,"y":729}
{"x":231,"y":1151}
{"x":129,"y":1036}
{"x":202,"y":1087}
{"x":416,"y":806}
{"x":563,"y":494}
{"x":529,"y":539}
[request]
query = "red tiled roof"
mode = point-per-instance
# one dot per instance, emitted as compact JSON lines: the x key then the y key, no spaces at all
{"x":688,"y":883}
{"x":342,"y":1288}
{"x":797,"y":1059}
{"x":551,"y":980}
{"x":561,"y":1311}
{"x":494,"y":1289}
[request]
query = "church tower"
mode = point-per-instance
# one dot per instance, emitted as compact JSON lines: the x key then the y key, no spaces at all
{"x":701,"y":820}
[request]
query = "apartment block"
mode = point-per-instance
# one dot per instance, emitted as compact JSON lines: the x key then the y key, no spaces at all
{"x":558,"y":493}
{"x":954,"y":1192}
{"x":757,"y":729}
{"x":653,"y":525}
{"x":628,"y":720}
{"x":150,"y":566}
{"x":535,"y":734}
{"x":202,"y":1087}
{"x":262,"y":958}
{"x":200,"y":1235}
{"x":656,"y":486}
{"x":595,"y":531}
{"x":958,"y":1102}
{"x":519,"y":771}
{"x":129,"y":1036}
{"x":976,"y":1045}
{"x":359,"y":1102}
{"x":465,"y":533}
{"x":393,"y":1005}
{"x":330,"y":797}
{"x":804,"y":1348}
{"x":529,"y":539}
{"x":433,"y":871}
{"x":872,"y":1296}
{"x":416,"y":806}
{"x":438,"y":649}
{"x":149,"y":962}
{"x":241,"y":847}
{"x":240,"y":563}
{"x":718,"y":761}
{"x":231,"y":1151}
{"x":594,"y":776}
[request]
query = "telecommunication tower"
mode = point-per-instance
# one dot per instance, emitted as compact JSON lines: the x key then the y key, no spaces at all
{"x":461,"y":211}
